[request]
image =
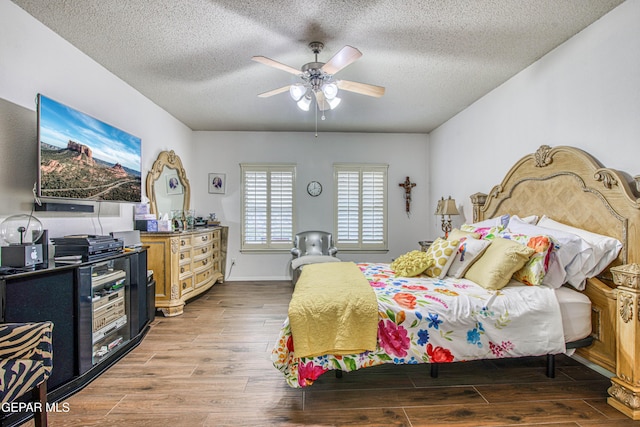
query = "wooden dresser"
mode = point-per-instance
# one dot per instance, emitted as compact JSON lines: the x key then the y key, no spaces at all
{"x":185,"y":264}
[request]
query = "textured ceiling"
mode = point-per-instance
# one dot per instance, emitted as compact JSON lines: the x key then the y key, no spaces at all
{"x":193,"y":57}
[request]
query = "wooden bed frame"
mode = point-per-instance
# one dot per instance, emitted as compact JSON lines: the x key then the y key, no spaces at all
{"x":570,"y":186}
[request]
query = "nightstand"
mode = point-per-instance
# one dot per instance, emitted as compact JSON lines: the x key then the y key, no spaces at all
{"x":424,"y":244}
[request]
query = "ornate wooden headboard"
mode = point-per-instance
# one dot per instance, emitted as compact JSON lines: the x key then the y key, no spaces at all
{"x":570,"y":186}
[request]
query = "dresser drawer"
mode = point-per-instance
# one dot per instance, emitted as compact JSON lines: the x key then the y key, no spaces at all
{"x":199,"y":252}
{"x":203,"y":277}
{"x":202,"y":263}
{"x":201,"y":239}
{"x":186,"y":285}
{"x":185,"y":242}
{"x":184,"y":256}
{"x":184,"y":269}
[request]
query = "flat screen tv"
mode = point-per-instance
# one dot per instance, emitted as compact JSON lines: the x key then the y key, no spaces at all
{"x":83,"y":158}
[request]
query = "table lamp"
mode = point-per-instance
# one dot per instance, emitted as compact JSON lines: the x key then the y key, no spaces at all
{"x":446,"y":207}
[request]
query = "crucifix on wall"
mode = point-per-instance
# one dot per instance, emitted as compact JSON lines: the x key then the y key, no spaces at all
{"x":408,"y":185}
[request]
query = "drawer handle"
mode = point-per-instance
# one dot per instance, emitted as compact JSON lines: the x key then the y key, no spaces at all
{"x":184,"y":285}
{"x":183,"y":242}
{"x":205,"y":250}
{"x":205,"y":262}
{"x":181,"y":269}
{"x":181,"y":256}
{"x":205,"y":238}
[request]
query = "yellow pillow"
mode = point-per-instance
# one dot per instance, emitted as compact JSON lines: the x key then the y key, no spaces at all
{"x":411,"y":264}
{"x":442,"y":251}
{"x":495,"y":267}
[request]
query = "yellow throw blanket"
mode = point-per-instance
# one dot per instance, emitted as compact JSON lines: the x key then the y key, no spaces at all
{"x":333,"y":310}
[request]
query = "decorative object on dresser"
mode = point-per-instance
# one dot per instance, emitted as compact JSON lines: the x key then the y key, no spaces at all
{"x":446,"y":207}
{"x":185,"y":264}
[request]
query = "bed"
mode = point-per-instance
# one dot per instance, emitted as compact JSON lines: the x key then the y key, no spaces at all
{"x":495,"y":323}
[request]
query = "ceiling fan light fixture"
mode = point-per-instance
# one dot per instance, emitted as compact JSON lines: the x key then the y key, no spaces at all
{"x":333,"y":103}
{"x":297,"y":91}
{"x":330,"y":90}
{"x":304,"y":103}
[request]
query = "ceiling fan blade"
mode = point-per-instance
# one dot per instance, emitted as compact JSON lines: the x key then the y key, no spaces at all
{"x":323,"y":105}
{"x":361,"y":88}
{"x":344,"y":57}
{"x":274,"y":91}
{"x":275,"y":64}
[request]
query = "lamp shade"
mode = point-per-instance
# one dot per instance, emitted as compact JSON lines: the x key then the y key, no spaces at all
{"x":330,"y":90}
{"x":297,"y":91}
{"x":333,"y":103}
{"x":449,"y":207}
{"x":439,"y":207}
{"x":304,"y":103}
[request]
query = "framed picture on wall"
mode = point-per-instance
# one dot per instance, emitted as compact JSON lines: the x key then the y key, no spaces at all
{"x":217,"y":183}
{"x":174,"y":186}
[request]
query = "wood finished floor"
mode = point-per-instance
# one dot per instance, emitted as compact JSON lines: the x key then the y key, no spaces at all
{"x":211,"y":367}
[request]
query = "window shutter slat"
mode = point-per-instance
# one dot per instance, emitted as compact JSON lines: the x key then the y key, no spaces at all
{"x":360,"y":211}
{"x":268,"y":206}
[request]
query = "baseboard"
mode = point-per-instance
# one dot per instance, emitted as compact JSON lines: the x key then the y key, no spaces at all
{"x":258,"y":279}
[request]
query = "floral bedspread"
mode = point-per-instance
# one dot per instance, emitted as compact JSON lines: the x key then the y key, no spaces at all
{"x":426,"y":320}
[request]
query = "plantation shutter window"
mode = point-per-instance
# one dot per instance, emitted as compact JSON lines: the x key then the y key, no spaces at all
{"x":360,"y":206}
{"x":267,"y":206}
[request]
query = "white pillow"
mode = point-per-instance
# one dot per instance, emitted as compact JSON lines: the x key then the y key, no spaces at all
{"x":468,"y":252}
{"x":574,"y":254}
{"x":605,"y":248}
{"x":500,"y":221}
{"x":531,"y":219}
{"x":503,"y":221}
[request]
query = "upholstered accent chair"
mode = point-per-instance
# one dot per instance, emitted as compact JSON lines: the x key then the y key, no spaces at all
{"x":311,"y":247}
{"x":26,"y":360}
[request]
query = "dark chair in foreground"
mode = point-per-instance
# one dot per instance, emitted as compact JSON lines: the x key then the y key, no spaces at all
{"x":311,"y":247}
{"x":26,"y":360}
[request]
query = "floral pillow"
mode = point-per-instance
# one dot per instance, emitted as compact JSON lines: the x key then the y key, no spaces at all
{"x":442,"y":252}
{"x":484,"y":232}
{"x":411,"y":264}
{"x":535,"y":269}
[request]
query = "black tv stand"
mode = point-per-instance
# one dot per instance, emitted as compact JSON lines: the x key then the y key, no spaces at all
{"x":96,"y":321}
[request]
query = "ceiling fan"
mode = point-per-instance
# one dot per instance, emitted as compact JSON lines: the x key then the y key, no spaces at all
{"x":318,"y":81}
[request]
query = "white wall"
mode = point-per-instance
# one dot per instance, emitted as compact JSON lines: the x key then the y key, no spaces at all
{"x":585,"y":93}
{"x":222,"y":152}
{"x":36,"y":60}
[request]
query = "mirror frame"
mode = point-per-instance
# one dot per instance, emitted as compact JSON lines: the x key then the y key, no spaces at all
{"x":170,"y":160}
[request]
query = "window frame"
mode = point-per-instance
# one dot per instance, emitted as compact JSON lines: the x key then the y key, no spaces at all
{"x":269,"y":245}
{"x":361,"y":245}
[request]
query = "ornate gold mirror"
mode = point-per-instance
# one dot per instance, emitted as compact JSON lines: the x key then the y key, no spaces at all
{"x":167,"y":185}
